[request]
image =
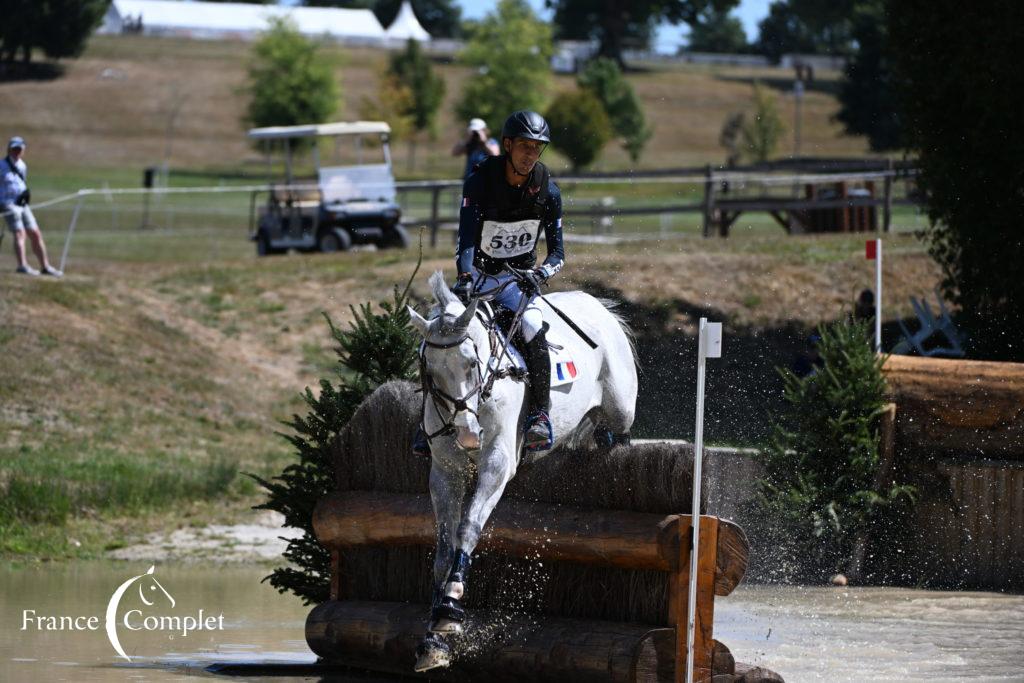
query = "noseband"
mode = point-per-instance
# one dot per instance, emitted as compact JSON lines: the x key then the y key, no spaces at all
{"x":455,"y":405}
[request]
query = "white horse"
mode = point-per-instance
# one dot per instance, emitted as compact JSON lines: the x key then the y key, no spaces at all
{"x":472,"y":416}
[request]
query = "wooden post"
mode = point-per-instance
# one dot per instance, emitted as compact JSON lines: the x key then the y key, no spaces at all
{"x":703,"y":643}
{"x":887,"y":207}
{"x":435,"y":198}
{"x":709,"y":199}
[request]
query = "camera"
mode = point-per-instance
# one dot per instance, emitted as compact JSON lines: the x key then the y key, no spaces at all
{"x":24,"y":198}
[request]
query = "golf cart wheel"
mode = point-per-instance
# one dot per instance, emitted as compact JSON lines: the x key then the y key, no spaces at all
{"x":334,"y":240}
{"x":263,"y":247}
{"x":397,"y":237}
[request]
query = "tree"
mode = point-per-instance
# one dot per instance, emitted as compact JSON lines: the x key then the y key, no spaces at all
{"x":440,"y":18}
{"x":959,"y":83}
{"x":378,"y":347}
{"x":604,"y":79}
{"x":818,"y":495}
{"x":510,"y":53}
{"x":411,"y":70}
{"x":761,"y":132}
{"x":622,"y":24}
{"x":718,"y":32}
{"x":807,"y":27}
{"x":60,"y":28}
{"x":290,"y":83}
{"x":579,"y":127}
{"x":867,"y":93}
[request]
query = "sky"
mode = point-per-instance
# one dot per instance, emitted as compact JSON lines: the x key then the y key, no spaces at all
{"x":750,"y":12}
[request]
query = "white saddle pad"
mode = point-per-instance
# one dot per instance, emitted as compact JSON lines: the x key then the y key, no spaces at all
{"x":563,"y":369}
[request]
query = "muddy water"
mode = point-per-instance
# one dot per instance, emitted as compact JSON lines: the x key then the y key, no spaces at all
{"x":815,"y":634}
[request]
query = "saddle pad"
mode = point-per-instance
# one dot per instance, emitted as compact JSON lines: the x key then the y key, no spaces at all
{"x":563,"y":369}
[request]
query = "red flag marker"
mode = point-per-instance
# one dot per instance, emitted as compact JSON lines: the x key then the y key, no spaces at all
{"x":871,"y":250}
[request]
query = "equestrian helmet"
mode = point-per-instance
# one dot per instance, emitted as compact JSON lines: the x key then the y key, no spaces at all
{"x":526,"y":124}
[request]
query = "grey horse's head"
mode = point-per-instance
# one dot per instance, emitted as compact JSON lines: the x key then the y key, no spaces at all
{"x":455,"y":351}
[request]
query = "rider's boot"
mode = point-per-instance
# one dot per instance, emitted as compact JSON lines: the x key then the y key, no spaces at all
{"x":420,"y":445}
{"x":539,"y":435}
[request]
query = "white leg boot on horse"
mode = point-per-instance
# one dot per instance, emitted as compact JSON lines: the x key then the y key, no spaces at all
{"x":473,"y":407}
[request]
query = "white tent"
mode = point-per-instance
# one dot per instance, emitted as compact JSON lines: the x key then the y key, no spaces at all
{"x":406,"y":25}
{"x":237,"y":20}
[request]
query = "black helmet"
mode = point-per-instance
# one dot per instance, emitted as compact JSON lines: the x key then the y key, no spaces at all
{"x":526,"y":124}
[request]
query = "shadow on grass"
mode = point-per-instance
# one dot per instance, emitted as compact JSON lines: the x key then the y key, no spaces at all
{"x":743,"y":387}
{"x":11,"y":72}
{"x":784,"y":84}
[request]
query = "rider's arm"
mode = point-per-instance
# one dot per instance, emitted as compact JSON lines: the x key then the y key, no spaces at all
{"x":553,"y":232}
{"x":470,"y":222}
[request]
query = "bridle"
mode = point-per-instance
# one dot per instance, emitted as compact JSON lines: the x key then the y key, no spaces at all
{"x":484,"y":381}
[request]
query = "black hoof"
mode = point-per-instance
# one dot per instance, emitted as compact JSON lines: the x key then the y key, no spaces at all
{"x":603,"y":437}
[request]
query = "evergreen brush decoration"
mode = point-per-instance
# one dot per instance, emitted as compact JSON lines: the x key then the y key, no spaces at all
{"x":818,"y":494}
{"x":377,"y":347}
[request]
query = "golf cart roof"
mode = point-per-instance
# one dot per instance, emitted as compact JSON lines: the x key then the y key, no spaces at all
{"x":314,"y":130}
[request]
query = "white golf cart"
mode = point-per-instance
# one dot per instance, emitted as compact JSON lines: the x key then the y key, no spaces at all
{"x":348,"y":203}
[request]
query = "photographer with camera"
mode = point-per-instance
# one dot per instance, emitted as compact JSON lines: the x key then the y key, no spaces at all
{"x":478,"y":146}
{"x":14,"y":204}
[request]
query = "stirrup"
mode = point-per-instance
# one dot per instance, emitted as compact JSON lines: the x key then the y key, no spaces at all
{"x":539,"y":418}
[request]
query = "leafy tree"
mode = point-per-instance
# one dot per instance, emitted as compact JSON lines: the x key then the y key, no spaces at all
{"x":411,"y":70}
{"x":818,"y":495}
{"x":377,"y":348}
{"x":393,"y":104}
{"x":959,"y":82}
{"x":729,"y":137}
{"x":762,"y":132}
{"x":60,"y":28}
{"x":604,"y":79}
{"x":867,"y":93}
{"x":808,"y":27}
{"x":622,"y":24}
{"x":579,"y":127}
{"x":511,"y":53}
{"x":718,"y":32}
{"x":290,"y":83}
{"x":440,"y":18}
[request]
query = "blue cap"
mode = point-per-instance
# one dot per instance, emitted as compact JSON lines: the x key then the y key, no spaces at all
{"x":16,"y":141}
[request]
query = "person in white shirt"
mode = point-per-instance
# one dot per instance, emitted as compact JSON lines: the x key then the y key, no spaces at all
{"x":14,"y":205}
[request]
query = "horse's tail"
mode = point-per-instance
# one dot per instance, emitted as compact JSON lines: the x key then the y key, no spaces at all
{"x":612,"y":306}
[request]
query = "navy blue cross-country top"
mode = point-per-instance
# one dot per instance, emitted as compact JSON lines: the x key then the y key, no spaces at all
{"x":501,"y":224}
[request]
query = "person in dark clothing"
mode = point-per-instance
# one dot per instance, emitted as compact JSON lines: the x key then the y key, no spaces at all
{"x":477,"y":147}
{"x":506,"y":203}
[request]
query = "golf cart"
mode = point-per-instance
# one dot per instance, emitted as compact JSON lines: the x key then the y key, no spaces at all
{"x":349,"y":203}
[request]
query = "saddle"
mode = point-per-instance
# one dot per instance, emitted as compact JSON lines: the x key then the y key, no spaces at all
{"x":563,"y":368}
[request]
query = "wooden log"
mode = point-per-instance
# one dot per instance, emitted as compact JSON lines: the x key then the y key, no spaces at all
{"x":961,"y":406}
{"x":383,"y":636}
{"x":631,"y":540}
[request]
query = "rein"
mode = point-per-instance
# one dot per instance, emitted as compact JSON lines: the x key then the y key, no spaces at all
{"x":484,"y":378}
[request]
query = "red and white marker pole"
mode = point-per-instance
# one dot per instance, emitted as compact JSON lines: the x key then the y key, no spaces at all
{"x":873,"y":251}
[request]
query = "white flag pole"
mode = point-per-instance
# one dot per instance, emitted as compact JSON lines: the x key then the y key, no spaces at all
{"x":709,"y":345}
{"x":878,"y":296}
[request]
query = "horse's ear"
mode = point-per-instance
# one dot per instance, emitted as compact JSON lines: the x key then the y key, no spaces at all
{"x":462,"y":322}
{"x":418,"y":321}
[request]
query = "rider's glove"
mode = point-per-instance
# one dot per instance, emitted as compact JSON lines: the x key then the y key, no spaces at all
{"x":532,"y":280}
{"x":464,"y":288}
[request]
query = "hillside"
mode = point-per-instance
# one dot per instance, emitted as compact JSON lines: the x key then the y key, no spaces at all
{"x":110,"y":111}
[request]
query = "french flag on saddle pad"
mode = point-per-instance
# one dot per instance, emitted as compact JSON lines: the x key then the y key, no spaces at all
{"x":565,"y":370}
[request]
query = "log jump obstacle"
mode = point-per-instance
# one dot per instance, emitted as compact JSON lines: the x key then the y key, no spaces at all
{"x":630,"y":540}
{"x":597,"y":526}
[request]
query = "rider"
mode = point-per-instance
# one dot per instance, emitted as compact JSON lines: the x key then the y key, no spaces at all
{"x":506,"y":203}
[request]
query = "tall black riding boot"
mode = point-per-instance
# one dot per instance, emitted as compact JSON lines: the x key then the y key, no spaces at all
{"x":539,"y":435}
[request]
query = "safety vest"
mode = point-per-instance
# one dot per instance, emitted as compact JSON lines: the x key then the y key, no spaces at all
{"x":510,"y":227}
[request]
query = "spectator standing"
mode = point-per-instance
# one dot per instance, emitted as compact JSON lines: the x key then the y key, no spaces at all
{"x":477,"y":146}
{"x":14,"y":204}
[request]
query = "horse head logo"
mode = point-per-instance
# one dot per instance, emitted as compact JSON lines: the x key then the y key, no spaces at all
{"x":147,"y":586}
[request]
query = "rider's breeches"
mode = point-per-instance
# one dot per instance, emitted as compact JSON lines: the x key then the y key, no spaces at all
{"x":509,"y":298}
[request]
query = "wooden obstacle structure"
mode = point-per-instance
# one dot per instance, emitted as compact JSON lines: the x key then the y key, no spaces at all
{"x":637,"y":559}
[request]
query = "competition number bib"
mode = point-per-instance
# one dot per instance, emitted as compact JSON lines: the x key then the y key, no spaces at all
{"x":505,"y":240}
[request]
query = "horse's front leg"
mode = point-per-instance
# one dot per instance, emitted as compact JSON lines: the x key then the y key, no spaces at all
{"x":447,"y":491}
{"x":496,"y":467}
